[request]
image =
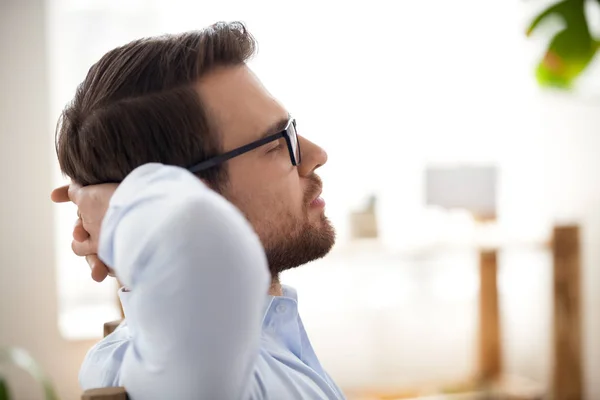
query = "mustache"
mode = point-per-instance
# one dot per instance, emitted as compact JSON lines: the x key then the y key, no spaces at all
{"x":315,"y":186}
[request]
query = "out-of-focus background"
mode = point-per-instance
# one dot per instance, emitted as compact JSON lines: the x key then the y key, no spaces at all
{"x":443,"y":148}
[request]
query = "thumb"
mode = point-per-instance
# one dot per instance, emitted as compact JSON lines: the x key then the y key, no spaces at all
{"x":60,"y":194}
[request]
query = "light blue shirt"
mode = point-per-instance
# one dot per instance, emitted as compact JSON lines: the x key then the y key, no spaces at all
{"x":199,"y":324}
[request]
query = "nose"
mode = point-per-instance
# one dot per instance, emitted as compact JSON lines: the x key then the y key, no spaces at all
{"x":313,"y":157}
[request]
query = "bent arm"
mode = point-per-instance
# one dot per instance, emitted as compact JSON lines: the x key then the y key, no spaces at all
{"x":198,"y":278}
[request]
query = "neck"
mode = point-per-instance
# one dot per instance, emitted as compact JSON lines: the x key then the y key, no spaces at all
{"x":275,"y":288}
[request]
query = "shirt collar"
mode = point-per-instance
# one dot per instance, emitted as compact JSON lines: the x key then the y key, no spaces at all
{"x":288,"y":293}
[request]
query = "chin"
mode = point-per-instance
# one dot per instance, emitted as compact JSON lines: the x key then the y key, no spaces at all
{"x":309,"y":244}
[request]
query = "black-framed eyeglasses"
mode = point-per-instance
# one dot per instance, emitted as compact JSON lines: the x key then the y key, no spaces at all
{"x":289,"y":134}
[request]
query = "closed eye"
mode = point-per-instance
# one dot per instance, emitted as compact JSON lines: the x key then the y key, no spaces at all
{"x":275,"y":148}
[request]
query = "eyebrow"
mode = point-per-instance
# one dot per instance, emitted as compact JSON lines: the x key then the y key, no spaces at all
{"x":276,"y":127}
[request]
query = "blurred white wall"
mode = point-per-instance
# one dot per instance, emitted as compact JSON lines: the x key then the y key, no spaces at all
{"x":28,"y":301}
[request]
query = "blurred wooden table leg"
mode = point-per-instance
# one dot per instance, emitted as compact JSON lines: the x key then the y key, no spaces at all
{"x":490,"y":349}
{"x":567,"y":369}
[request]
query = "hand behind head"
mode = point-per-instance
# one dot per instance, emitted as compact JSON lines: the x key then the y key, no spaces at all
{"x":92,"y":203}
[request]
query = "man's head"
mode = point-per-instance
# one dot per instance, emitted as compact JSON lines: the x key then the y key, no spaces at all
{"x":186,"y":98}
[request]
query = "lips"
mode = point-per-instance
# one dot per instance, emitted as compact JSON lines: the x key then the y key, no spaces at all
{"x":314,"y":190}
{"x":318,"y":201}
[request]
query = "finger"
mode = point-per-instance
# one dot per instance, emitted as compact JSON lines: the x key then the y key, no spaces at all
{"x":79,"y":232}
{"x":60,"y":194}
{"x":98,"y":269}
{"x":84,"y":248}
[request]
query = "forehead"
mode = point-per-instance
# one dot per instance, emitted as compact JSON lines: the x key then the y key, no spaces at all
{"x":239,"y":105}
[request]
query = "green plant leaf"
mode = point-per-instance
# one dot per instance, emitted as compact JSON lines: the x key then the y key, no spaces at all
{"x":571,"y":50}
{"x":21,"y":358}
{"x":4,"y":393}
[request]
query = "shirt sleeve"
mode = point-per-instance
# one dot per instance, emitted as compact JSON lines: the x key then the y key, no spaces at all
{"x":102,"y":364}
{"x":198,"y":278}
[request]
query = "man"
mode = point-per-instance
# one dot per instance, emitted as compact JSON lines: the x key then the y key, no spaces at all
{"x":198,"y":256}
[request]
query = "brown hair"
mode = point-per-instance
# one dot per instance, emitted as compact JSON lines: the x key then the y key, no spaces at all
{"x":138,"y":105}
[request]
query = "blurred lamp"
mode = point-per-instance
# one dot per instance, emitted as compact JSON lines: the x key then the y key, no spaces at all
{"x":463,"y":187}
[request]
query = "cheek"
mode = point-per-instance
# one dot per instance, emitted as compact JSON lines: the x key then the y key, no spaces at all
{"x":264,"y":191}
